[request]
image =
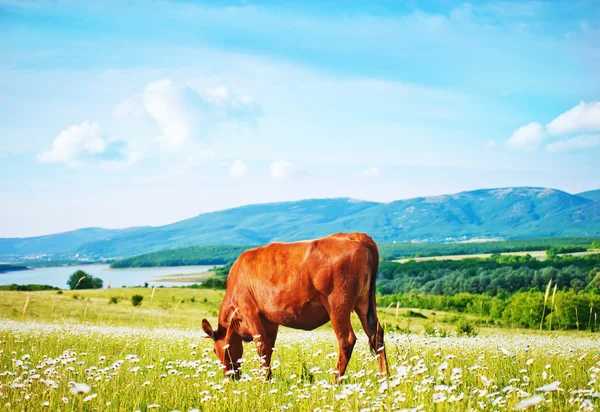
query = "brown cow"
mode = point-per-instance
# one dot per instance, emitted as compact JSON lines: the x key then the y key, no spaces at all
{"x":302,"y":285}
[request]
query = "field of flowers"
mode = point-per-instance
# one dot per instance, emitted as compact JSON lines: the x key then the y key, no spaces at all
{"x":74,"y":366}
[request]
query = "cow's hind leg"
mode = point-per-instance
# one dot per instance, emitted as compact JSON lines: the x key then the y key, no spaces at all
{"x":340,"y":320}
{"x":375,"y":339}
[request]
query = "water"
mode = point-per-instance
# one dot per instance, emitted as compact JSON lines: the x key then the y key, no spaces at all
{"x":58,"y":275}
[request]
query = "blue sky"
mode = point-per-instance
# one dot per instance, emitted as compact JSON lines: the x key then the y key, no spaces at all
{"x":145,"y":113}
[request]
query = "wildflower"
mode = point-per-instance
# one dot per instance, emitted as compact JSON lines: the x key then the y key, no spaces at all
{"x":529,"y":402}
{"x":402,"y":372}
{"x":153,"y":406}
{"x":551,"y":387}
{"x":439,"y":397}
{"x":485,"y":380}
{"x":80,"y":388}
{"x":90,"y":397}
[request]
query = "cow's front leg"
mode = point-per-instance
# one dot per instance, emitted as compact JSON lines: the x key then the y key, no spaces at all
{"x":264,"y":339}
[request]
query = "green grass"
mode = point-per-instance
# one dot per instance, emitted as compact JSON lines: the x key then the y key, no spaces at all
{"x":173,"y":308}
{"x":185,"y":308}
{"x":170,"y":307}
{"x":134,"y":369}
{"x":134,"y":358}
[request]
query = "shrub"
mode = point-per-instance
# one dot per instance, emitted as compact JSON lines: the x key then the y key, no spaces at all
{"x":451,"y":318}
{"x":113,"y":300}
{"x":136,"y":300}
{"x":82,"y":280}
{"x":31,"y":288}
{"x":464,"y":327}
{"x":413,"y":314}
{"x":431,"y":329}
{"x":75,"y":296}
{"x":60,"y":292}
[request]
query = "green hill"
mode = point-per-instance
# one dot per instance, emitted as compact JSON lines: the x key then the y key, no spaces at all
{"x":591,"y":195}
{"x":509,"y":213}
{"x":59,"y":242}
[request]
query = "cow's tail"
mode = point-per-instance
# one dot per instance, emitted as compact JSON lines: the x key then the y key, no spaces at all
{"x":372,"y":309}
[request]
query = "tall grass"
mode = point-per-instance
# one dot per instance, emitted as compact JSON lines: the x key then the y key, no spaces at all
{"x":545,"y":301}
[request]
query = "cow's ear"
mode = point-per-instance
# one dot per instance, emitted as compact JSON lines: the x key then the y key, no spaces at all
{"x":208,"y":329}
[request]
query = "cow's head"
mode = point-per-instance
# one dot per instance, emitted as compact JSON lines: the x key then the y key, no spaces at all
{"x":228,"y":346}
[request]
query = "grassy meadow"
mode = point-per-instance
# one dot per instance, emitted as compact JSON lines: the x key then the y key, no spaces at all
{"x":77,"y":351}
{"x":181,"y":308}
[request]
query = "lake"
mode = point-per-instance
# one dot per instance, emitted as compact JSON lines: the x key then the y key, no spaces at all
{"x":58,"y":275}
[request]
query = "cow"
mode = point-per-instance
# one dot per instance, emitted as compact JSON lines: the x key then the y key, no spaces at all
{"x":301,"y":285}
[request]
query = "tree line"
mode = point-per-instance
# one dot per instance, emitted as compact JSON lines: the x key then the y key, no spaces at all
{"x":496,"y":275}
{"x":561,"y":311}
{"x":563,"y":245}
{"x":193,"y":255}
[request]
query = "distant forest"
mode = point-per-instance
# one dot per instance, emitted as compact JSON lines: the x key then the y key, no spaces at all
{"x":502,"y":274}
{"x":406,"y":250}
{"x":562,"y":292}
{"x":11,"y":268}
{"x":222,"y":254}
{"x":187,"y":256}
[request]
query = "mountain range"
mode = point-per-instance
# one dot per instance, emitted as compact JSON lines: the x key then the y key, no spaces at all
{"x":514,"y":212}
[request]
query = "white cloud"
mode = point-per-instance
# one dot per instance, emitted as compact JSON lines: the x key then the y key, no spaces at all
{"x":281,"y":170}
{"x":575,"y":143}
{"x":217,"y":94}
{"x":129,"y":158}
{"x":73,"y":143}
{"x":184,"y":114}
{"x":238,"y":169}
{"x":582,"y":118}
{"x":490,"y":144}
{"x":527,"y":138}
{"x":371,"y":172}
{"x":230,"y":105}
{"x":206,"y":155}
{"x":163,"y":102}
{"x":129,"y":106}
